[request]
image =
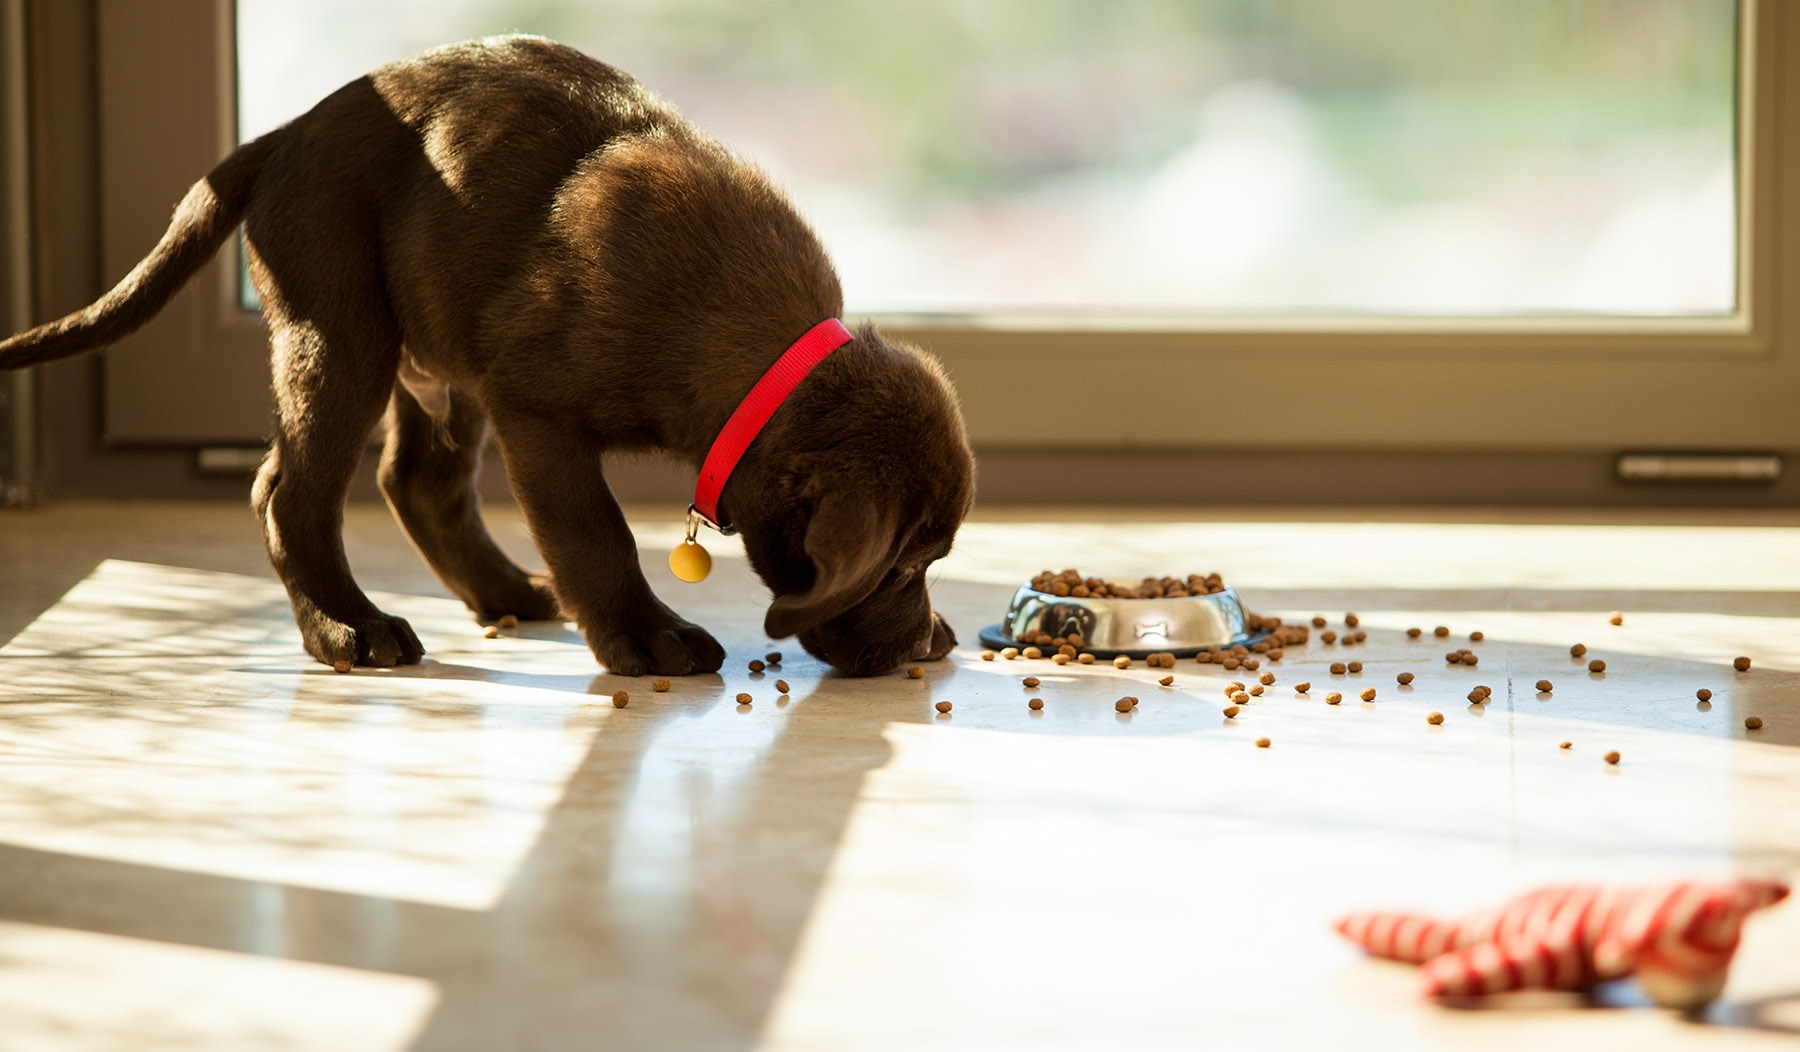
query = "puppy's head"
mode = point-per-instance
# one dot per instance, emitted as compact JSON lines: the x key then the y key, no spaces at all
{"x":872,"y":476}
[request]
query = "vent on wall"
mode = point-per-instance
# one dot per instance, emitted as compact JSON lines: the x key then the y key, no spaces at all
{"x":1744,"y":469}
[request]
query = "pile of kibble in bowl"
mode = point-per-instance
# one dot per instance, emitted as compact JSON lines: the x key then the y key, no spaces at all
{"x":1071,"y":583}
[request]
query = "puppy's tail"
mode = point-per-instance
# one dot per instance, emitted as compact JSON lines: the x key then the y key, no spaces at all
{"x":208,"y":214}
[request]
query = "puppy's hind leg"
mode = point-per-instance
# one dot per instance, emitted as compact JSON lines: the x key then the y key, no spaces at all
{"x":335,"y":353}
{"x":428,"y":468}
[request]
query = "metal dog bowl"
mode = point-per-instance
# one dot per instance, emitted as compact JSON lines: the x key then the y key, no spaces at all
{"x":1135,"y":628}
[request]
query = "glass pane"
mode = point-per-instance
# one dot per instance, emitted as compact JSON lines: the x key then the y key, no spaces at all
{"x":1119,"y":157}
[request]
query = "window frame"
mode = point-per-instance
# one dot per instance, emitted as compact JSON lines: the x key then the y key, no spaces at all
{"x":1408,"y":385}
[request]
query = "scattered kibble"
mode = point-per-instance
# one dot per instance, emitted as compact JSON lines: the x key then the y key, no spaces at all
{"x":1753,"y":722}
{"x":509,"y":621}
{"x":1125,"y":704}
{"x":1031,"y":681}
{"x":1404,"y":678}
{"x":1596,"y":665}
{"x":1355,"y":666}
{"x":1262,"y":743}
{"x":1318,"y":622}
{"x":1121,"y":662}
{"x":1328,"y":637}
{"x":1240,"y":698}
{"x":1615,"y":618}
{"x":773,"y":657}
{"x":1578,"y":649}
{"x":1231,"y":712}
{"x":1059,"y":659}
{"x":915,"y":672}
{"x":1036,"y":703}
{"x":1476,"y":637}
{"x":1484,"y":691}
{"x":987,"y":655}
{"x":1703,"y":694}
{"x":1303,"y":686}
{"x":1267,"y":679}
{"x":1032,"y":653}
{"x":1742,"y":664}
{"x":1544,"y":686}
{"x":661,"y":686}
{"x":1009,"y":653}
{"x":758,"y":666}
{"x":1441,"y":631}
{"x":744,"y":699}
{"x":1368,"y":694}
{"x":620,"y":699}
{"x":493,"y":632}
{"x":1233,"y":687}
{"x":1338,"y":668}
{"x":1352,"y":620}
{"x":1256,"y":690}
{"x":1565,"y":745}
{"x":944,"y":706}
{"x":781,"y":685}
{"x":1477,"y":697}
{"x":1166,"y":680}
{"x":1414,"y":633}
{"x":1435,"y":718}
{"x":1612,"y":757}
{"x":1085,"y":659}
{"x":345,"y":666}
{"x":1333,"y":698}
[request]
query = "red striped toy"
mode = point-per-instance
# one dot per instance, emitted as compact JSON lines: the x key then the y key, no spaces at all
{"x":1677,"y":939}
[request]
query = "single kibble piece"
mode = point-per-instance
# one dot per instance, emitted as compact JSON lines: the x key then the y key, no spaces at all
{"x":1435,"y":718}
{"x":1414,"y":633}
{"x":509,"y":621}
{"x":1262,"y":743}
{"x":1486,"y":692}
{"x":1303,"y":686}
{"x":1441,"y":631}
{"x":943,"y":706}
{"x":1742,"y":664}
{"x":1125,"y":704}
{"x":1318,"y":622}
{"x":1596,"y":665}
{"x":1476,"y":637}
{"x":1478,"y":697}
{"x":1031,"y":652}
{"x":1009,"y":653}
{"x":1059,"y":659}
{"x":1231,"y":664}
{"x":1166,"y":680}
{"x":1276,"y":653}
{"x":781,"y":685}
{"x":1615,"y":618}
{"x":1454,"y":657}
{"x":773,"y":657}
{"x":1333,"y":698}
{"x":1404,"y":678}
{"x":1612,"y":757}
{"x":758,"y":666}
{"x":744,"y":699}
{"x":1471,"y":659}
{"x":1085,"y":659}
{"x":1544,"y":686}
{"x":1036,"y":703}
{"x":493,"y":632}
{"x":1578,"y":649}
{"x":987,"y":655}
{"x":1267,"y":679}
{"x":1565,"y":745}
{"x":1703,"y":694}
{"x":1231,"y":712}
{"x":1252,"y":664}
{"x":1327,"y":637}
{"x":661,"y":686}
{"x":915,"y":672}
{"x":1256,"y":690}
{"x":1368,"y":694}
{"x":1121,"y":662}
{"x":620,"y":699}
{"x":345,"y":666}
{"x":1355,"y":666}
{"x":1233,"y":687}
{"x":1031,"y":681}
{"x":1352,"y":620}
{"x":1753,"y":722}
{"x":1240,"y":698}
{"x":1338,"y":668}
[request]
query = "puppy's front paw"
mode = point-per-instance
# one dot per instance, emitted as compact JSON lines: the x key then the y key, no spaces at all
{"x":377,"y":640}
{"x":663,"y":648}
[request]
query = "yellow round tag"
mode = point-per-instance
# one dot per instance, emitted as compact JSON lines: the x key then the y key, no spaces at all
{"x":689,"y":561}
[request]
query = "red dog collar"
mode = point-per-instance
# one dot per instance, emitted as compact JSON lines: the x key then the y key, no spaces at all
{"x":755,"y":410}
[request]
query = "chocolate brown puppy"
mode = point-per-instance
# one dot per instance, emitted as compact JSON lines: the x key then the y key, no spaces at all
{"x":510,"y":232}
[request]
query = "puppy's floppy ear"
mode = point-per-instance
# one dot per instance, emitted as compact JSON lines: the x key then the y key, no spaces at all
{"x":851,"y":541}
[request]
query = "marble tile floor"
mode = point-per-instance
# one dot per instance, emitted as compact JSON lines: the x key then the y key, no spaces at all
{"x":209,"y":842}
